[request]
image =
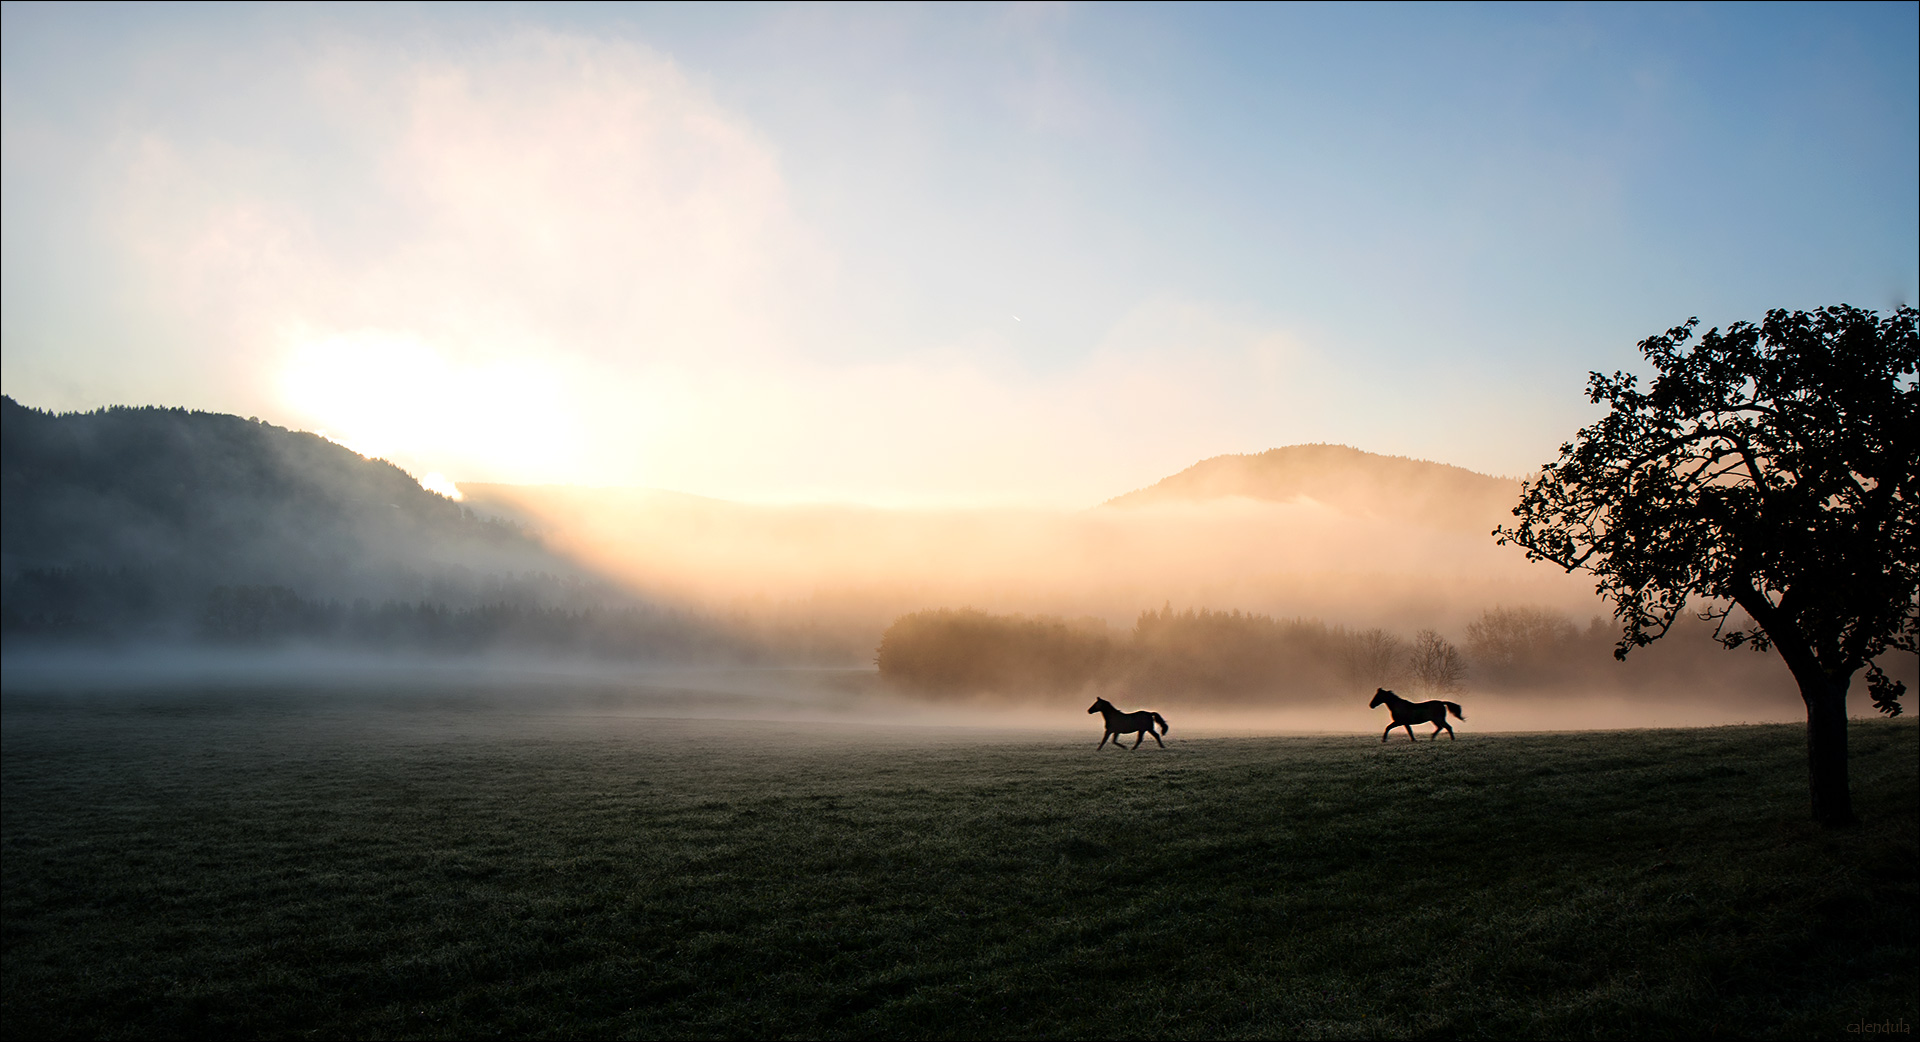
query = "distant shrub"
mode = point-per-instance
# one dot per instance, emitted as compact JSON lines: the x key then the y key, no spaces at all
{"x":1193,"y":653}
{"x":1529,"y":646}
{"x":1373,"y":659}
{"x":964,"y":650}
{"x":1437,"y":667}
{"x":1233,"y":654}
{"x":269,"y":616}
{"x":262,"y":614}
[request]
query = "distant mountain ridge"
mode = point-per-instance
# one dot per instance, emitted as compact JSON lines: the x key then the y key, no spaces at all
{"x":1346,"y":478}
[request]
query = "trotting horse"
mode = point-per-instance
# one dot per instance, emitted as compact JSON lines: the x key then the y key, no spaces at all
{"x":1406,"y":714}
{"x":1118,"y":723}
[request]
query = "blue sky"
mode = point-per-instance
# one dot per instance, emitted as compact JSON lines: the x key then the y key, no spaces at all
{"x":1038,"y":254}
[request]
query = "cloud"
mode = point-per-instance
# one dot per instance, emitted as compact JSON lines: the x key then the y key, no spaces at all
{"x":574,"y":207}
{"x":971,"y":423}
{"x":546,"y":258}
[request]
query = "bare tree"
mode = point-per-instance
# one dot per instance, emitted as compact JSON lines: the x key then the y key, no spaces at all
{"x":1506,"y":641}
{"x":1373,"y":658}
{"x":1436,"y":665}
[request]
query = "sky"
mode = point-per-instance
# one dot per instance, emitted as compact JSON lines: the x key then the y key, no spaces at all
{"x":927,"y":255}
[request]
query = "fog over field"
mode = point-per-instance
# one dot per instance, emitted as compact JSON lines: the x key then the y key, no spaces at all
{"x":1272,"y":591}
{"x":502,"y":695}
{"x":1295,"y":558}
{"x":1322,"y":531}
{"x":1312,"y":534}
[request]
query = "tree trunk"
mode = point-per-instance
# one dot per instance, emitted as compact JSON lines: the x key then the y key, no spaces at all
{"x":1827,"y":751}
{"x":1825,"y":693}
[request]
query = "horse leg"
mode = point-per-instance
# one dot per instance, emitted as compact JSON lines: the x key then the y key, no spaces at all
{"x":1103,"y":741}
{"x":1386,"y":733}
{"x":1138,"y":737}
{"x":1450,"y":735}
{"x":1410,"y":734}
{"x":1156,"y":738}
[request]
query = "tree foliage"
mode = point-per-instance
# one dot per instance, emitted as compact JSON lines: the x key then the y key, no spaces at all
{"x":1771,"y":468}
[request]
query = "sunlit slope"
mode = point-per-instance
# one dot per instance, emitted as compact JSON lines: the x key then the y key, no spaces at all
{"x":1288,"y":532}
{"x":1346,"y":479}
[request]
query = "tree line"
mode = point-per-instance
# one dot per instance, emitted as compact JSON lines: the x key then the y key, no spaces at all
{"x":1248,"y":657}
{"x":95,"y":607}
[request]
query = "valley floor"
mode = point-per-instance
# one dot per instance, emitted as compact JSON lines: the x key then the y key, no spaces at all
{"x":428,"y":863}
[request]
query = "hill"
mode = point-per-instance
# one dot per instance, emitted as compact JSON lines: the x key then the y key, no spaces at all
{"x":1318,"y":531}
{"x":1346,"y":479}
{"x":126,"y":514}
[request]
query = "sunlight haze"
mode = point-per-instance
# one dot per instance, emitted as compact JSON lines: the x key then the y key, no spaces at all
{"x":775,"y":254}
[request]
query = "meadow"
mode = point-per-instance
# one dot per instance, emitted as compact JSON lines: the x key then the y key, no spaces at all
{"x":382,"y":862}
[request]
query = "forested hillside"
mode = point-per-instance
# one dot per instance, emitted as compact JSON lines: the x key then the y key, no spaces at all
{"x":204,"y":498}
{"x":165,"y":524}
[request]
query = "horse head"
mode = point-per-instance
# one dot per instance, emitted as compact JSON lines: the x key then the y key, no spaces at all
{"x":1098,"y":704}
{"x":1380,"y":697}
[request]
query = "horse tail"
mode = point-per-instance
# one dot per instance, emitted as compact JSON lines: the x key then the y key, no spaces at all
{"x":1162,"y":721}
{"x":1457,"y":714}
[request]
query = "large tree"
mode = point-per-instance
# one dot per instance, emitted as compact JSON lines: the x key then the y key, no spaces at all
{"x":1766,"y":478}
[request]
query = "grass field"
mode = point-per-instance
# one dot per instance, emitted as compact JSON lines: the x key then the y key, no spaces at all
{"x":280,"y":863}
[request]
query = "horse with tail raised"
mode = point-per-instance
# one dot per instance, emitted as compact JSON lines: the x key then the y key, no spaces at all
{"x":1406,"y":714}
{"x":1140,"y":724}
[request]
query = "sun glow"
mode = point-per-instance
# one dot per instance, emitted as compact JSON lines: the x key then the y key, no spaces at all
{"x":438,"y":482}
{"x":394,"y":396}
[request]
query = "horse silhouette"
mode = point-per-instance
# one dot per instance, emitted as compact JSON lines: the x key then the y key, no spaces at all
{"x":1406,"y":714}
{"x":1138,"y":724}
